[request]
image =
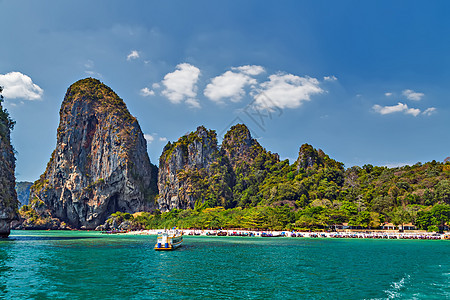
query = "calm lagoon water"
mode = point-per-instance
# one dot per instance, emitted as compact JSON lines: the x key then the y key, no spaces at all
{"x":89,"y":265}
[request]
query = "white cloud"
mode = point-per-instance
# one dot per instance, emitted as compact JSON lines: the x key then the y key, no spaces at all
{"x":18,"y":85}
{"x":400,"y":107}
{"x":231,"y":84}
{"x":193,"y":103}
{"x":391,"y":165}
{"x":149,"y":138}
{"x":228,"y":85}
{"x":330,"y":78}
{"x":250,"y":70}
{"x":412,"y":111}
{"x":145,"y":92}
{"x":388,"y":94}
{"x":163,"y":139}
{"x":286,"y":91}
{"x":133,"y":55}
{"x":429,"y":111}
{"x":181,"y":84}
{"x":156,"y":85}
{"x":411,"y":95}
{"x":94,"y":74}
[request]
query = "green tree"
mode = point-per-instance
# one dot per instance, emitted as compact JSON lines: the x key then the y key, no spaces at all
{"x":442,"y":191}
{"x":441,"y":212}
{"x":399,"y":216}
{"x":424,"y":219}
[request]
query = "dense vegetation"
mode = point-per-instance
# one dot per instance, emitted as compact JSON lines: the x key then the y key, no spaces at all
{"x":315,"y":192}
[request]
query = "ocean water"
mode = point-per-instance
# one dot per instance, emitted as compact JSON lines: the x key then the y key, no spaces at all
{"x":89,"y":265}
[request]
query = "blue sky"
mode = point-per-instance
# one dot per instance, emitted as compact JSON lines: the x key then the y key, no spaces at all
{"x":366,"y":81}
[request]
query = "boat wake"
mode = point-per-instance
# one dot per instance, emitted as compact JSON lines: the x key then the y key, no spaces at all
{"x":396,"y":287}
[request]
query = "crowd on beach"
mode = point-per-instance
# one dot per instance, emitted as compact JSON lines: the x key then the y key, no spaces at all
{"x":294,"y":234}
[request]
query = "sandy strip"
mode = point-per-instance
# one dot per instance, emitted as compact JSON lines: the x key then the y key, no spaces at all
{"x":358,"y":235}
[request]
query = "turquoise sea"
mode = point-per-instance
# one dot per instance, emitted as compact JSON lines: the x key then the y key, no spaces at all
{"x":89,"y":265}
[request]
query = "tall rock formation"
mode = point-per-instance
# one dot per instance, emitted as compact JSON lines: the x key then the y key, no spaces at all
{"x":241,"y":149}
{"x":310,"y":158}
{"x":8,"y":196}
{"x":250,"y":164}
{"x":100,"y":164}
{"x":192,"y":172}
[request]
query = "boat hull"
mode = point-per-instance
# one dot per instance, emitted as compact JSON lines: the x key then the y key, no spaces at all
{"x":168,"y":243}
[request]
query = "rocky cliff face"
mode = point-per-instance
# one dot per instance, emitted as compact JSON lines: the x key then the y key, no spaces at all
{"x":308,"y":157}
{"x":250,"y":163}
{"x":8,"y":196}
{"x":194,"y":171}
{"x":100,"y":164}
{"x":240,"y":148}
{"x":23,"y":192}
{"x":185,"y":169}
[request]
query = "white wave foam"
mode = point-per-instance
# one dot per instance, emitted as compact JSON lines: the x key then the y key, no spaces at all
{"x":394,"y":291}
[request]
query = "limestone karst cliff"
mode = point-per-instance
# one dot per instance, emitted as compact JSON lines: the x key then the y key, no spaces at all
{"x":23,"y":192}
{"x":192,"y":172}
{"x":8,"y":196}
{"x":240,"y":148}
{"x":195,"y":171}
{"x":250,"y":164}
{"x":100,"y":164}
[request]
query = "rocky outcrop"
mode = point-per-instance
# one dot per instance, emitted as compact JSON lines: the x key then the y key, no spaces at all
{"x":194,"y":171}
{"x":185,"y":169}
{"x":23,"y":192}
{"x":250,"y":164}
{"x":241,"y":149}
{"x":308,"y":157}
{"x":100,"y":164}
{"x":8,"y":196}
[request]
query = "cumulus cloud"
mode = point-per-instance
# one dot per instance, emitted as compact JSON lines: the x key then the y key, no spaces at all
{"x":193,"y":103}
{"x":228,"y":85}
{"x":249,"y":70}
{"x":388,"y":94}
{"x":286,"y":91}
{"x":231,"y":84}
{"x":330,"y":78}
{"x":145,"y":92}
{"x":163,"y":139}
{"x":411,"y":95}
{"x":133,"y":55}
{"x":182,"y":84}
{"x":18,"y":85}
{"x":400,"y":107}
{"x":150,"y":138}
{"x":429,"y":111}
{"x":412,"y":111}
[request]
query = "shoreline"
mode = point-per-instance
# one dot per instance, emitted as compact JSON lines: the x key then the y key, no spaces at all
{"x":289,"y":234}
